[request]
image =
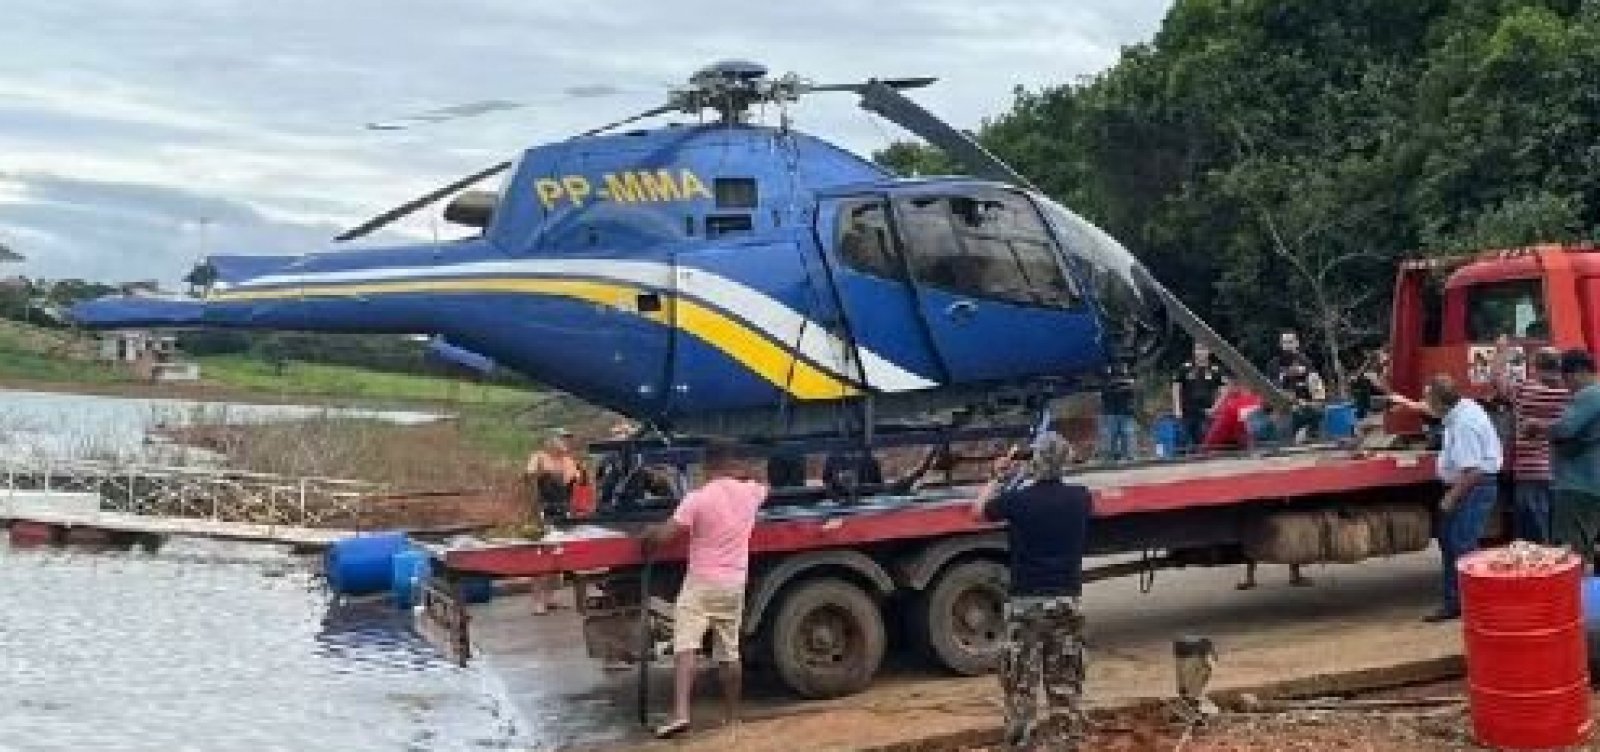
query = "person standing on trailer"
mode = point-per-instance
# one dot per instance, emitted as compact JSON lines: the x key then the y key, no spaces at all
{"x":1536,"y":404}
{"x":1047,"y":522}
{"x":1298,"y":376}
{"x":1575,"y":460}
{"x":718,"y":518}
{"x":1119,"y":429}
{"x":552,"y":476}
{"x":1195,"y":391}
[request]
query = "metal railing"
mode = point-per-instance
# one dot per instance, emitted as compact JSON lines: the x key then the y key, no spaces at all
{"x":216,"y":494}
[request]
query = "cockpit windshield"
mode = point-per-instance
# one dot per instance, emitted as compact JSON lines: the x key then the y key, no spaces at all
{"x":1123,"y":287}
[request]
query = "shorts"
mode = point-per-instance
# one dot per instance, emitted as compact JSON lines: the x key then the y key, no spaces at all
{"x":708,"y":607}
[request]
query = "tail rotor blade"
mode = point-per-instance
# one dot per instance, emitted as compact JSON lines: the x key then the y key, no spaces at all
{"x":388,"y":217}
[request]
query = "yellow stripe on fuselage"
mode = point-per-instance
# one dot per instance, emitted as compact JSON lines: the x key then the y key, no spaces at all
{"x":750,"y":348}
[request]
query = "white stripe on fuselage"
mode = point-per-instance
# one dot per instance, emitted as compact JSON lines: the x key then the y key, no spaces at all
{"x":775,"y":319}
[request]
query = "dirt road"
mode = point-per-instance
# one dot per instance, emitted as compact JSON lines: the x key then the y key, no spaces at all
{"x":1354,"y":617}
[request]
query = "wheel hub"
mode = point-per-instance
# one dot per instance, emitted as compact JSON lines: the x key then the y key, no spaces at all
{"x":977,"y":619}
{"x":826,"y":639}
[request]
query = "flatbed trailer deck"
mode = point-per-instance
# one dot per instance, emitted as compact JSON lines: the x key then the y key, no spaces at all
{"x":831,"y":582}
{"x":1160,"y":487}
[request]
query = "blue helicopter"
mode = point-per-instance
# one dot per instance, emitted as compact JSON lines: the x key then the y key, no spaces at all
{"x":732,"y":278}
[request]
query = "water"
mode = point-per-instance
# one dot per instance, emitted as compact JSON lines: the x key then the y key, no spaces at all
{"x":43,"y":424}
{"x":220,"y":647}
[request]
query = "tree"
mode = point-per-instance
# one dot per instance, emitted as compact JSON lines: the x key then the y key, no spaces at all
{"x":1271,"y":160}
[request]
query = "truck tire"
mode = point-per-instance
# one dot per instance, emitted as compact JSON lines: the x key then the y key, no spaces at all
{"x":827,"y":638}
{"x":960,"y":622}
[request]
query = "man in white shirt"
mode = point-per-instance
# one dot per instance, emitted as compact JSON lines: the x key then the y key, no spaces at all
{"x":1469,"y":465}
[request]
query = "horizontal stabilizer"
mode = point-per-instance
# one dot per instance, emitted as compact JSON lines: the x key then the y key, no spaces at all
{"x":129,"y":312}
{"x":444,"y":352}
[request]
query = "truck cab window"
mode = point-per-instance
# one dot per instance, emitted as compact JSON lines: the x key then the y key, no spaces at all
{"x":989,"y":244}
{"x":1514,"y":308}
{"x":865,"y":243}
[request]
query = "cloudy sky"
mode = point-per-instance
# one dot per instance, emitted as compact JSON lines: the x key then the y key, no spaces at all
{"x":137,"y":135}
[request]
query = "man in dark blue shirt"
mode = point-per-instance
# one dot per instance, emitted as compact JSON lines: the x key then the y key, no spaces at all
{"x":1047,"y":524}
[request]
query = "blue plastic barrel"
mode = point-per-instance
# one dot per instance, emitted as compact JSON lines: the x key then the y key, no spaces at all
{"x":477,"y":589}
{"x":363,"y":564}
{"x":1339,"y":420}
{"x":1168,"y":434}
{"x":411,"y":567}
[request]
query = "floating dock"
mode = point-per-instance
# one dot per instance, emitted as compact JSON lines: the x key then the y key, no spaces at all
{"x":43,"y":516}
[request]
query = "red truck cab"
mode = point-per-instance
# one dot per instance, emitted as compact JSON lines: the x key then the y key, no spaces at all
{"x":1449,"y":312}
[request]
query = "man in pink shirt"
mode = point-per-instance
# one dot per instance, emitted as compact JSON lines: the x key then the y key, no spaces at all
{"x":718,"y":517}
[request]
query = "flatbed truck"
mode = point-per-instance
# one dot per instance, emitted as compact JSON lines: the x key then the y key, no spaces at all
{"x":834,"y":587}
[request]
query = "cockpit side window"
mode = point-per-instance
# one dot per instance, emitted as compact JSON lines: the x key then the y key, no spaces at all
{"x":989,"y":244}
{"x":1513,"y":308}
{"x":865,"y":242}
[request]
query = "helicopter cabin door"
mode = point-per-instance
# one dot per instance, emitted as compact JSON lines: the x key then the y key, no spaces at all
{"x":880,"y":312}
{"x":992,"y":286}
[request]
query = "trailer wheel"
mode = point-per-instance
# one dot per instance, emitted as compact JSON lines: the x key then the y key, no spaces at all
{"x":960,"y":622}
{"x":827,"y":638}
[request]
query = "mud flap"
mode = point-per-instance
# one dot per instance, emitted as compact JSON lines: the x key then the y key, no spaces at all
{"x":442,"y":619}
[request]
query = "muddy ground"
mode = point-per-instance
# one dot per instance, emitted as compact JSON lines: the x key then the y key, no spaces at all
{"x":1355,"y":617}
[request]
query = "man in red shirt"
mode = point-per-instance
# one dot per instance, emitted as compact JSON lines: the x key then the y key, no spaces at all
{"x":1230,"y":421}
{"x":718,"y":518}
{"x":1536,"y":403}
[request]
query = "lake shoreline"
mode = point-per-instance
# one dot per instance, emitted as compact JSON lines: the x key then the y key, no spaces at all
{"x":211,"y":393}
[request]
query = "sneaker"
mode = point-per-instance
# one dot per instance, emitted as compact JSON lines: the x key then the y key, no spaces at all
{"x":1441,"y":616}
{"x":673,"y":728}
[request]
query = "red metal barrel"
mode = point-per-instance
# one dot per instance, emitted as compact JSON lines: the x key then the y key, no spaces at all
{"x":1527,"y":668}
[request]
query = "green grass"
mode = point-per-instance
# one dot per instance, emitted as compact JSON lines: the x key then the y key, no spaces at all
{"x":23,"y":365}
{"x":26,"y":355}
{"x":320,"y":379}
{"x":33,"y":354}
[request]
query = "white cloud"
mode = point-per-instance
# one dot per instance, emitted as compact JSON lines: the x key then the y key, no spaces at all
{"x":258,"y":106}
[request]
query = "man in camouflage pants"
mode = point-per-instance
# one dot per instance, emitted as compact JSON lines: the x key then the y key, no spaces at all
{"x":1046,"y":527}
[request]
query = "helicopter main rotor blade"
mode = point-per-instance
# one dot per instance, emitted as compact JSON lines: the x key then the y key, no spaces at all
{"x":885,"y":100}
{"x":893,"y":83}
{"x":444,"y":114}
{"x":650,"y":113}
{"x":487,"y":106}
{"x":384,"y":219}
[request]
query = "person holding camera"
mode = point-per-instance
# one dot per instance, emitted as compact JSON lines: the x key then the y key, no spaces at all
{"x":1047,"y":521}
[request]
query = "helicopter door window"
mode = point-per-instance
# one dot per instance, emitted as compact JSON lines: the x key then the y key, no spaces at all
{"x":991,"y":244}
{"x":864,"y":239}
{"x":930,"y":242}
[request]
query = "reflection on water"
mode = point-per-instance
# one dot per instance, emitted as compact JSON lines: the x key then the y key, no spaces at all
{"x":71,"y":425}
{"x":186,"y":650}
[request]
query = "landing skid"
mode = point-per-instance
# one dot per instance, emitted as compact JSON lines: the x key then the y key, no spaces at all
{"x":672,"y":457}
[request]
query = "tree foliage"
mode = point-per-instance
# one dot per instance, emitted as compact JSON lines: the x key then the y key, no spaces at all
{"x":1270,"y":160}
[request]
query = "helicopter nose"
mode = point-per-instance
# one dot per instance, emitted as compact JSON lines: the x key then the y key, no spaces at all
{"x":1132,"y":307}
{"x":1149,"y":320}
